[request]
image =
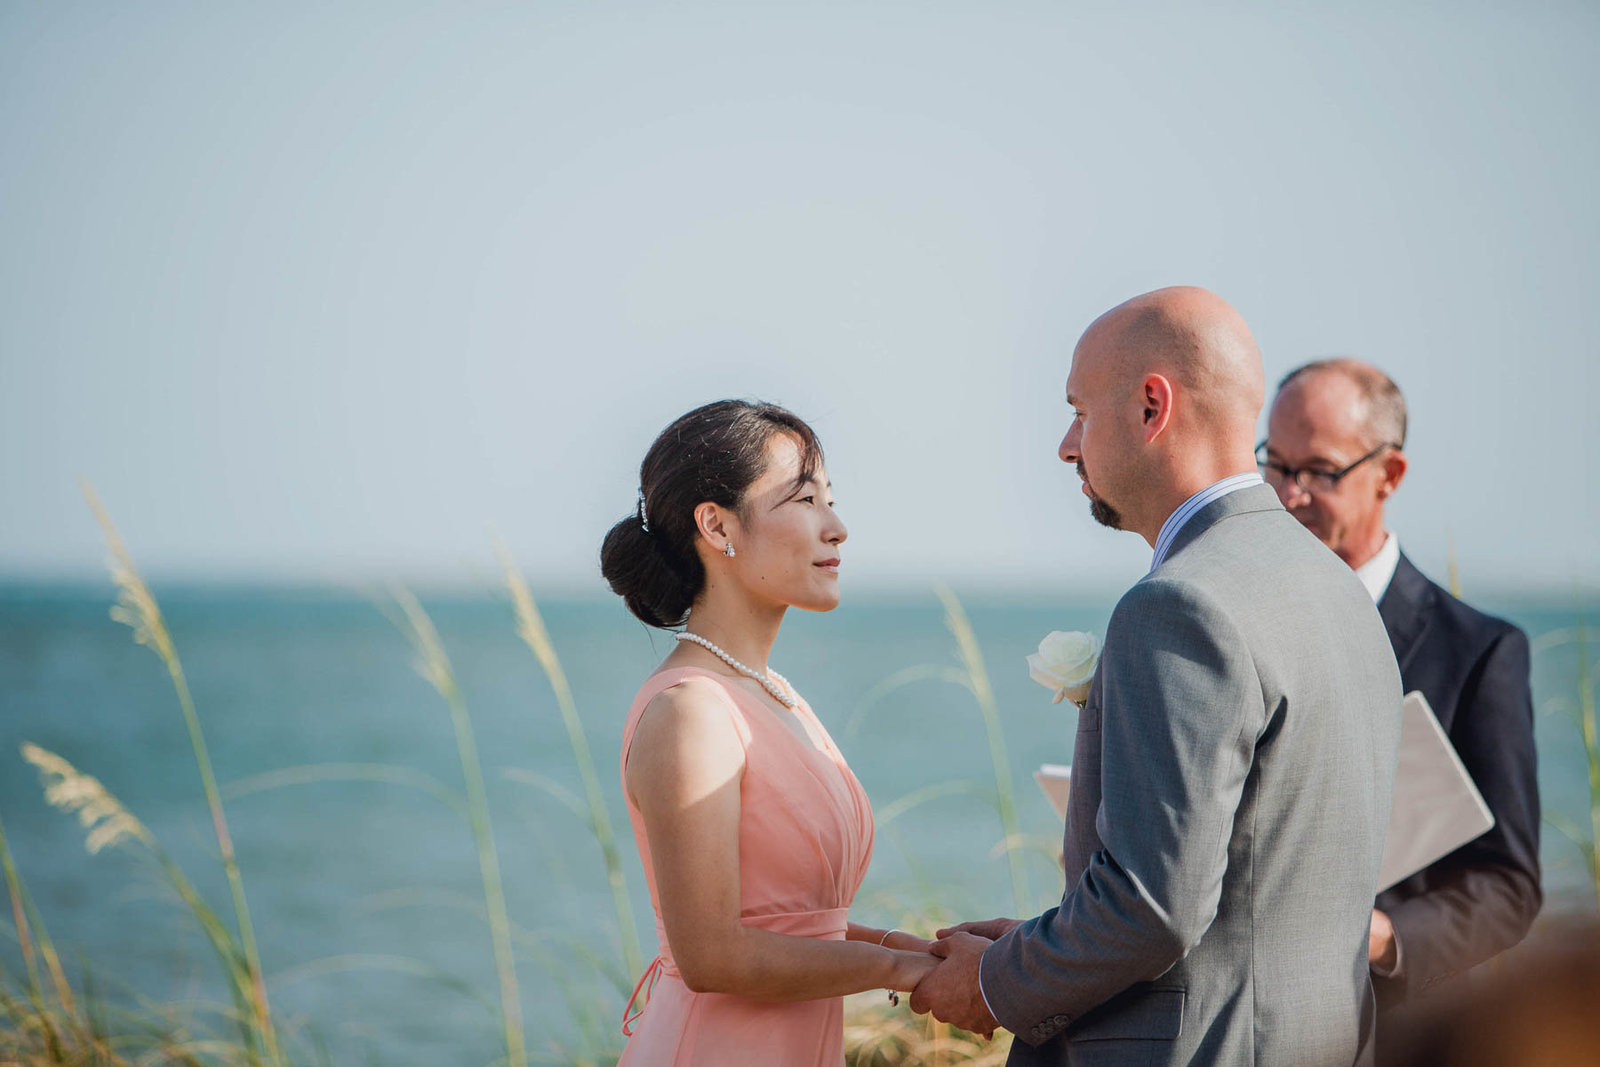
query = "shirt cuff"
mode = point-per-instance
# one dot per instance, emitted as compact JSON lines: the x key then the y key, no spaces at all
{"x":987,"y":1006}
{"x":1392,"y":971}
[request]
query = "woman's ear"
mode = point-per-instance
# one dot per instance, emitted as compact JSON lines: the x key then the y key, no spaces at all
{"x":714,"y":524}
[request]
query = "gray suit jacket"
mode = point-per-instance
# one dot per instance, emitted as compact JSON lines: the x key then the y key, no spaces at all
{"x":1230,"y":794}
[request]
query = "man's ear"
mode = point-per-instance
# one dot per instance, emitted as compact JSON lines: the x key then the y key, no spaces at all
{"x":1155,"y":394}
{"x":1394,"y":472}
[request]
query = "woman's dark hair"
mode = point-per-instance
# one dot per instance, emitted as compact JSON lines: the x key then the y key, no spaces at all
{"x":713,"y":454}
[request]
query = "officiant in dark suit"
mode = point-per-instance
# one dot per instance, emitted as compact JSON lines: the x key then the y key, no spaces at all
{"x":1334,"y":452}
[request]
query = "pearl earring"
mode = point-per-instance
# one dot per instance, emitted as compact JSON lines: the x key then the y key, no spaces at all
{"x":727,"y":550}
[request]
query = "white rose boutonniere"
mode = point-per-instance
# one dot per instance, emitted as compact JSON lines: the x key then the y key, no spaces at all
{"x":1065,"y":664}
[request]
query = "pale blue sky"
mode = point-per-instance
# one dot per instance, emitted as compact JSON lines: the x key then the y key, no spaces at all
{"x":318,"y":292}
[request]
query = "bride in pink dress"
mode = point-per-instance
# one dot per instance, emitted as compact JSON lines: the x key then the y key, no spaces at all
{"x":753,"y":831}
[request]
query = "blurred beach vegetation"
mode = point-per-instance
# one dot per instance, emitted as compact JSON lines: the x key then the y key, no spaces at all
{"x":61,"y":1012}
{"x":1580,"y":706}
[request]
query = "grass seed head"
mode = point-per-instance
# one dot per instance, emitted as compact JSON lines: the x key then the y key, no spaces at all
{"x":72,"y":791}
{"x":136,"y":606}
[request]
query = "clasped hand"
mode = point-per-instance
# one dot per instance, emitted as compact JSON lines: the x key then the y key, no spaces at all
{"x":950,"y":991}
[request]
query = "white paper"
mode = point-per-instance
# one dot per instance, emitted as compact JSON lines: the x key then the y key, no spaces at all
{"x":1437,"y":808}
{"x":1056,"y":781}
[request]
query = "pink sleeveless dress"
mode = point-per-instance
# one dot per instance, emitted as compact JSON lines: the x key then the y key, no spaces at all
{"x":805,"y":837}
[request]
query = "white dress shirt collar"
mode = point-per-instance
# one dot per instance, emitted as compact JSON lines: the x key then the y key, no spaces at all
{"x":1186,"y":510}
{"x":1377,"y":572}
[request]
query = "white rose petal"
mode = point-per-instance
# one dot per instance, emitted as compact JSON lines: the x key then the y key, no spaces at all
{"x":1065,"y":664}
{"x":1037,"y":671}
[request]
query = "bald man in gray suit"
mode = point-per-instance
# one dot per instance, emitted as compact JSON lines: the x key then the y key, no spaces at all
{"x":1235,"y":757}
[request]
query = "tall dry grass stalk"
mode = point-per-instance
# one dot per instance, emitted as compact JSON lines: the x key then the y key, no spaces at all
{"x":109,"y":824}
{"x":1453,"y":568}
{"x":1005,"y":793}
{"x":36,"y":1016}
{"x":1591,"y":747}
{"x":312,"y":773}
{"x":137,"y":608}
{"x":534,"y":633}
{"x":102,"y":815}
{"x":1584,"y":717}
{"x":434,"y":665}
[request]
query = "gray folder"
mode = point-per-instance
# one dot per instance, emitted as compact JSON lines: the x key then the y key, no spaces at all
{"x":1437,"y":808}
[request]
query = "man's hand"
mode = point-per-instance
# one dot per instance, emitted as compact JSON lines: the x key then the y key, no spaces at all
{"x":993,"y":929}
{"x":950,"y":991}
{"x":1381,"y":948}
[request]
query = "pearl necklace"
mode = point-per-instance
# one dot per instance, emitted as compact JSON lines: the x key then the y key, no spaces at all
{"x":780,"y":689}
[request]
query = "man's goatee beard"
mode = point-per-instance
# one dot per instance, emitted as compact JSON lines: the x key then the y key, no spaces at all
{"x":1104,"y":513}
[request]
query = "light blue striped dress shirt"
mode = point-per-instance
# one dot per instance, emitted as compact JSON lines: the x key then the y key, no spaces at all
{"x":1186,"y":510}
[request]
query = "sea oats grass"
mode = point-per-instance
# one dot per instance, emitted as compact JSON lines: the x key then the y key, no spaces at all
{"x":137,"y":608}
{"x":1581,"y":709}
{"x":1012,"y":839}
{"x":1591,"y":748}
{"x":434,"y":665}
{"x":50,"y":1024}
{"x":534,"y":633}
{"x":314,"y":773}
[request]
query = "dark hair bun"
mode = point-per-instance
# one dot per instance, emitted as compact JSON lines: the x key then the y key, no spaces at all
{"x":637,"y":569}
{"x":712,"y":454}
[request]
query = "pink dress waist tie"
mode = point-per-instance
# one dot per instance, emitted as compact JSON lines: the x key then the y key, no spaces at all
{"x":829,"y":924}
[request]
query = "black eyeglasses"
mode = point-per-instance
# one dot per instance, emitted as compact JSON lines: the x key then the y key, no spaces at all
{"x":1308,"y":478}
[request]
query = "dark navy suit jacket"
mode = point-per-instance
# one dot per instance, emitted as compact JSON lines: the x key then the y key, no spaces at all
{"x":1481,"y":899}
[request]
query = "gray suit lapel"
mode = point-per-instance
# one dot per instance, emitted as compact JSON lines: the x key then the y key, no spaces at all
{"x":1080,"y":838}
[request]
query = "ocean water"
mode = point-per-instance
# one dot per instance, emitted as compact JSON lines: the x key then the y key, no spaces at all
{"x":366,"y":895}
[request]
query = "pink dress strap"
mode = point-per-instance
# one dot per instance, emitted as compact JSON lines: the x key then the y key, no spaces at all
{"x":660,"y":682}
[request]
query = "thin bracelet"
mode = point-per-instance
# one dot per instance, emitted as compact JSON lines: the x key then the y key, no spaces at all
{"x":894,"y":998}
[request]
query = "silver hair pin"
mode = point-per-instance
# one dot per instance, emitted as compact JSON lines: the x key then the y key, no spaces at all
{"x":643,"y":521}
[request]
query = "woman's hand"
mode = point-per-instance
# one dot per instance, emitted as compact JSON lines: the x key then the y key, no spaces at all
{"x":899,"y":939}
{"x":909,"y":969}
